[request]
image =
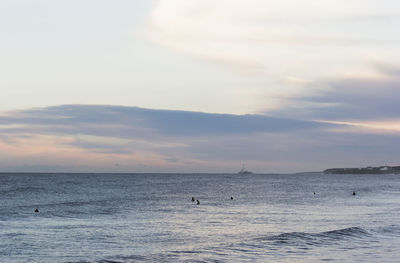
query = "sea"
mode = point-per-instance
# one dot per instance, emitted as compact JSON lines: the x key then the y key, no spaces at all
{"x":306,"y":217}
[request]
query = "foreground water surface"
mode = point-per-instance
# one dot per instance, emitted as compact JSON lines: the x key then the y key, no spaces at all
{"x":151,"y":218}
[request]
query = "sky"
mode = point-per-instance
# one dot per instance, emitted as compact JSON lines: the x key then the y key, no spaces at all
{"x":198,"y":85}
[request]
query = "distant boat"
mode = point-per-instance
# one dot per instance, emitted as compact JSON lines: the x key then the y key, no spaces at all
{"x":244,"y":171}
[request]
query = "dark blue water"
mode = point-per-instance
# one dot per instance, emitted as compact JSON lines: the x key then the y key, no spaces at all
{"x":151,"y":218}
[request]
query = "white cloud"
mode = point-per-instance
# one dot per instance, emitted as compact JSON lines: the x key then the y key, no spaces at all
{"x":283,"y":39}
{"x":280,"y":38}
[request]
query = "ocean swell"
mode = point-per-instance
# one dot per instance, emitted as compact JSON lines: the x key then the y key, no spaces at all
{"x":304,"y":238}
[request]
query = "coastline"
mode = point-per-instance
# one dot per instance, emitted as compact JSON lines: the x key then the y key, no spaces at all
{"x":365,"y":170}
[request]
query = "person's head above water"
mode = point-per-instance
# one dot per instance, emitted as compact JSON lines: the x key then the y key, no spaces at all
{"x":36,"y":210}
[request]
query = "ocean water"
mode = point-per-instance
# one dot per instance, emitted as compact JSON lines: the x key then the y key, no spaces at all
{"x":151,"y":218}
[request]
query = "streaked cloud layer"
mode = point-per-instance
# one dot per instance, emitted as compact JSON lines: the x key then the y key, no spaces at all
{"x":303,"y":38}
{"x":130,"y":139}
{"x":330,"y":50}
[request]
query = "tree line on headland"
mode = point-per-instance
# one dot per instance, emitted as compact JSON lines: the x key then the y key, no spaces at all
{"x":365,"y":170}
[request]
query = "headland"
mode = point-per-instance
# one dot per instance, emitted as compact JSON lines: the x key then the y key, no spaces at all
{"x":365,"y":170}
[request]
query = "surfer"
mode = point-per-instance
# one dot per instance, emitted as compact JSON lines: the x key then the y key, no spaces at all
{"x":354,"y":193}
{"x":36,"y":210}
{"x":192,"y":199}
{"x":231,"y":198}
{"x":198,"y":202}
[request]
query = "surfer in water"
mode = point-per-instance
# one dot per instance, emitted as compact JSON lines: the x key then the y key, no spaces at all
{"x":192,"y":199}
{"x":36,"y":210}
{"x":198,"y":202}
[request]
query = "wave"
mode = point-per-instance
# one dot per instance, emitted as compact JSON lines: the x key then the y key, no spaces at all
{"x":271,"y":245}
{"x":316,"y":238}
{"x":22,"y":190}
{"x":346,"y":232}
{"x":80,"y":203}
{"x":391,"y":230}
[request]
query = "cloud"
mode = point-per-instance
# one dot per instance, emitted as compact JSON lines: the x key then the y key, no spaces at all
{"x":96,"y":137}
{"x":322,"y":59}
{"x":125,"y":122}
{"x":357,"y":98}
{"x":279,"y":37}
{"x":158,"y":138}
